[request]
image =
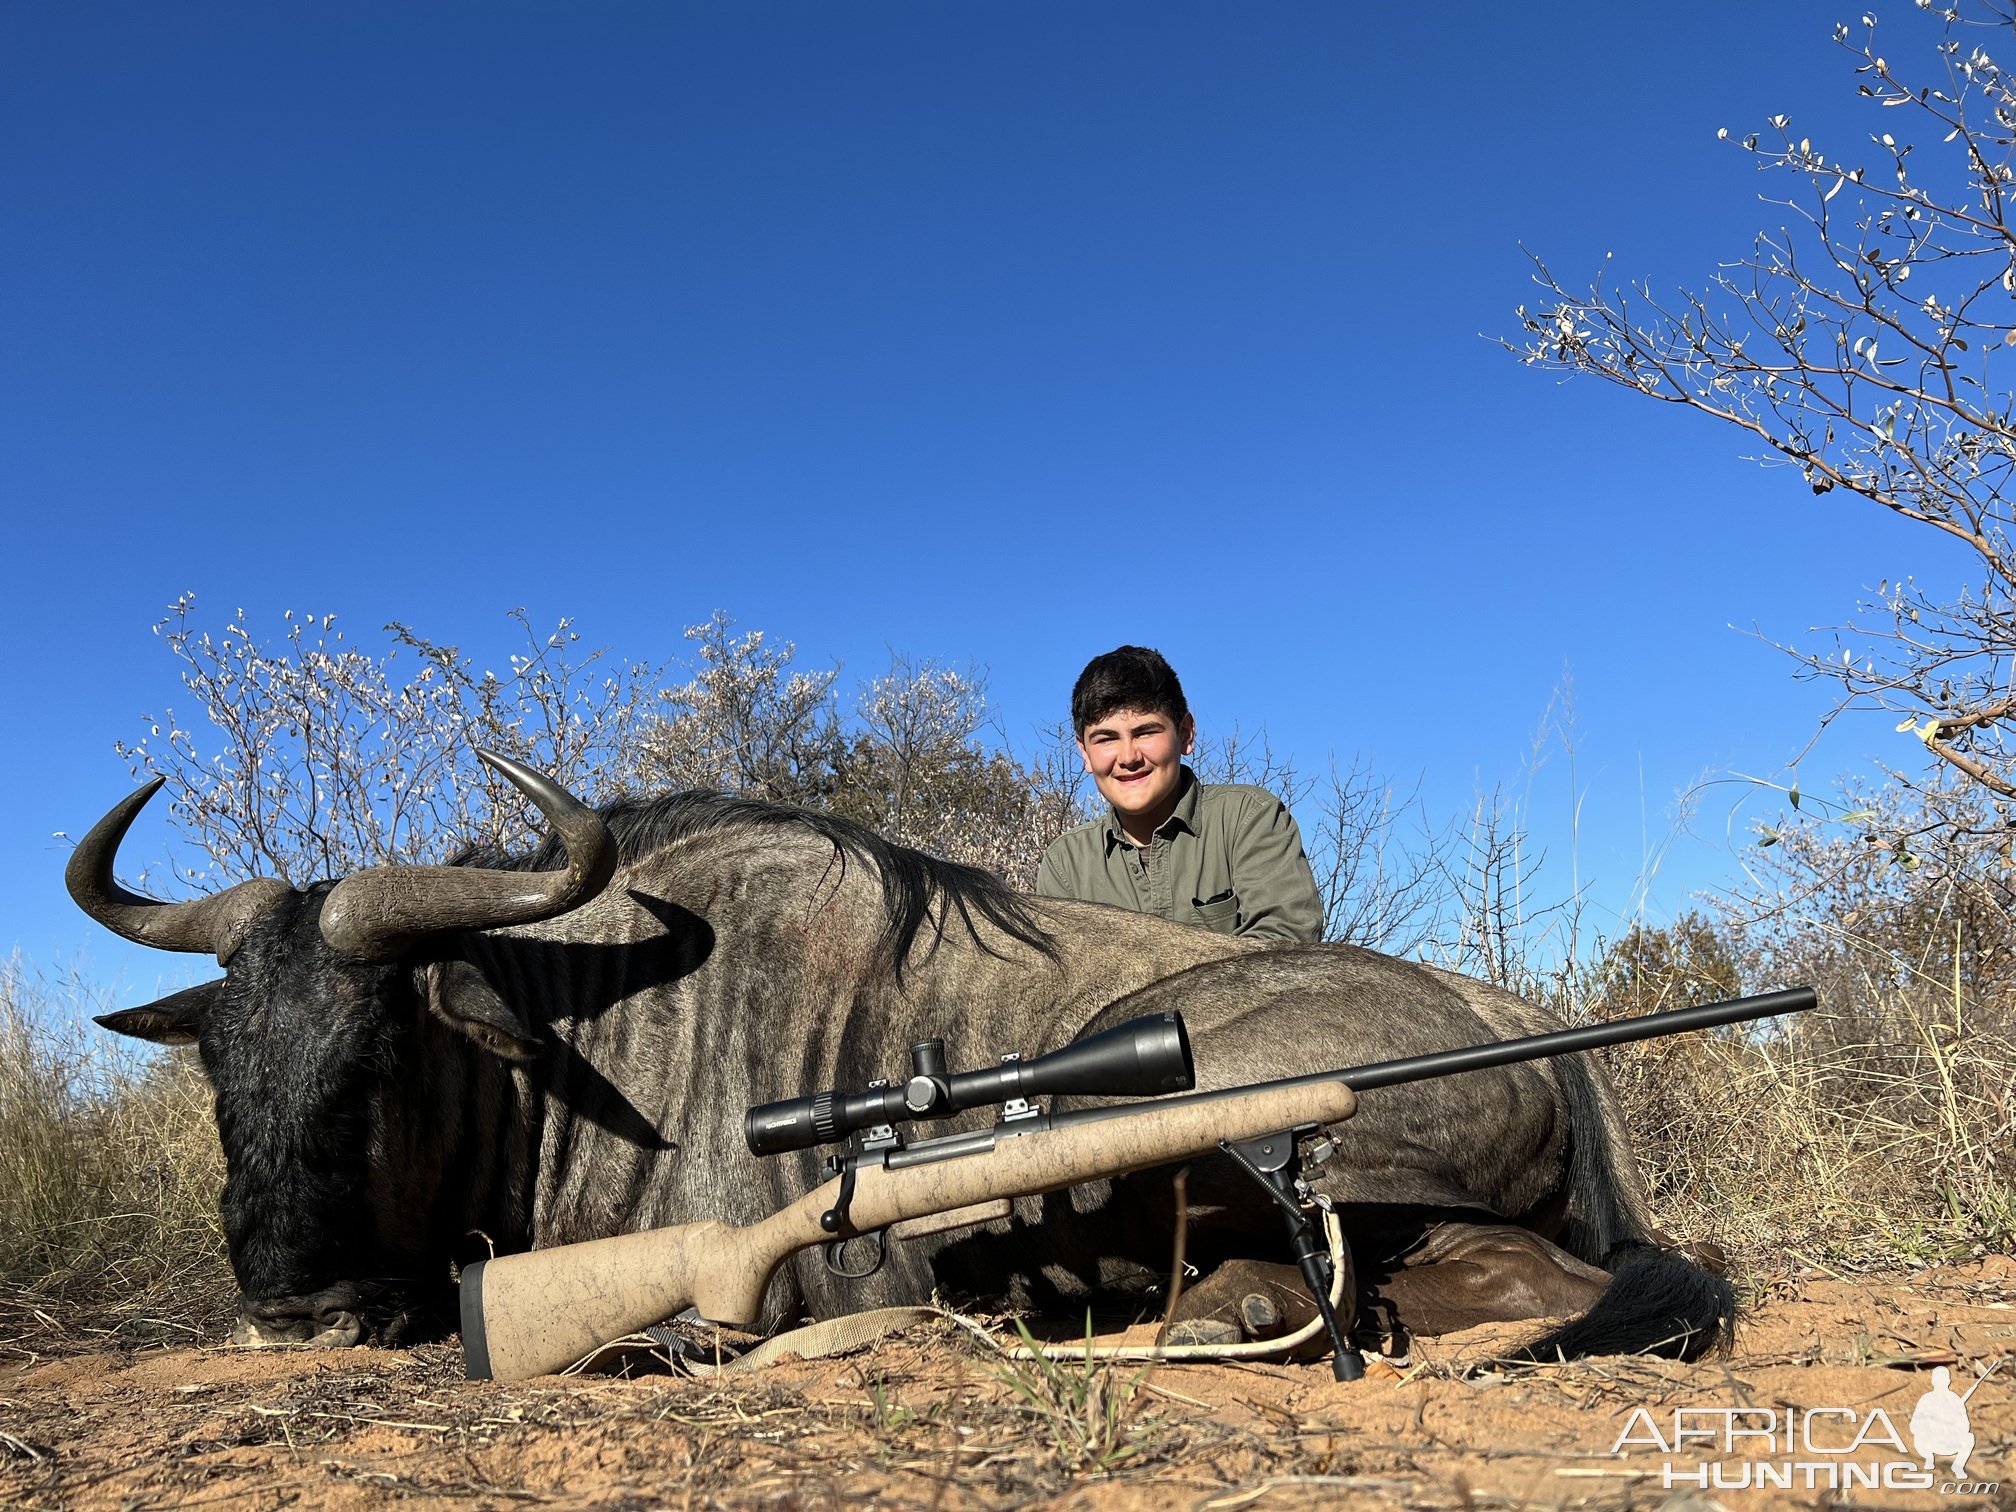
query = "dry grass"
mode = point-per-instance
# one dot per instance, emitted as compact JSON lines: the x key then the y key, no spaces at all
{"x":1088,"y":1409}
{"x":109,"y":1171}
{"x":1865,"y":1133}
{"x":933,"y":1419}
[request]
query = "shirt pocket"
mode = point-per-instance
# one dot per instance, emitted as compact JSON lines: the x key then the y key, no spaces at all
{"x":1219,"y":914}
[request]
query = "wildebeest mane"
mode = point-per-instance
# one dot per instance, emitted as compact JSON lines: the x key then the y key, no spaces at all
{"x":917,"y":888}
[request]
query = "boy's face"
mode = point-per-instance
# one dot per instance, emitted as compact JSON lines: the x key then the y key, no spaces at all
{"x":1136,"y":759}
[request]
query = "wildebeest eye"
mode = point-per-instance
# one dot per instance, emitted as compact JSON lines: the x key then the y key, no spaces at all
{"x":461,"y":996}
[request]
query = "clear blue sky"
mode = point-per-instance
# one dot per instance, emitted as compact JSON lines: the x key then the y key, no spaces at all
{"x":990,"y":332}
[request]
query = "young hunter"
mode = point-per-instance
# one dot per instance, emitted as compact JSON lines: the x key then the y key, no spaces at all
{"x":1225,"y":856}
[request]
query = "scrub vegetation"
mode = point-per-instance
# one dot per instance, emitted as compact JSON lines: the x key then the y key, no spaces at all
{"x":1864,"y":345}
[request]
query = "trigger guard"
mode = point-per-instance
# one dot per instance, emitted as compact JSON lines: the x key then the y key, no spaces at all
{"x":833,"y":1249}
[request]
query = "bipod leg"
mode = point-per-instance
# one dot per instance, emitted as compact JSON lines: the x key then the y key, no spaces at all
{"x":1275,"y":1162}
{"x":1346,"y":1363}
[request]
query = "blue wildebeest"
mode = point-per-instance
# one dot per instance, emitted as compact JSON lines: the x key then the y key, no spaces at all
{"x":414,"y":1062}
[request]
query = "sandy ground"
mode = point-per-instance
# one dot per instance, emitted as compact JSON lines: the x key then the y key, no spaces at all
{"x":933,"y":1419}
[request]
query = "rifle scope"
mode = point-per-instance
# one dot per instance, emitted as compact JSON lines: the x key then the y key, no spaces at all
{"x":1136,"y":1059}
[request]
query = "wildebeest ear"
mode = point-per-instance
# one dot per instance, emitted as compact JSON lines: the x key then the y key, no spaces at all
{"x":174,"y":1020}
{"x":459,"y":995}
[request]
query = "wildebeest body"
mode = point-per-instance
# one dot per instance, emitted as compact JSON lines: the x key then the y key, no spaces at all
{"x":585,"y":1074}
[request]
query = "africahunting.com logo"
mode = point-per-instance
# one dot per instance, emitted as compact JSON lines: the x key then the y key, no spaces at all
{"x":1816,"y":1448}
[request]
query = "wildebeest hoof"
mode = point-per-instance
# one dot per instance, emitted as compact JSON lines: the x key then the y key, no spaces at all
{"x":1709,"y":1255}
{"x":1203,"y":1331}
{"x":1705,"y":1253}
{"x":1258,"y":1316}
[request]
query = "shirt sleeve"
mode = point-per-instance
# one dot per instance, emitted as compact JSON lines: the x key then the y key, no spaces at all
{"x":1278,"y":899}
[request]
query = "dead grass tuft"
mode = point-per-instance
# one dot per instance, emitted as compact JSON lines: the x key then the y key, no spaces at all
{"x":109,"y":1171}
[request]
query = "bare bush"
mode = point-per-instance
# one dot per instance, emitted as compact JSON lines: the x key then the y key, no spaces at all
{"x":748,"y":721}
{"x":1236,"y":756}
{"x":1379,"y":864}
{"x":909,"y":756}
{"x":1866,"y":346}
{"x":1874,"y":1127}
{"x":1920,"y":915}
{"x":919,"y":770}
{"x":1654,"y":967}
{"x":314,"y":758}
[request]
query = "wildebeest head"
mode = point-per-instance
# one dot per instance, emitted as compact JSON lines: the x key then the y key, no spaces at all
{"x":322,"y":995}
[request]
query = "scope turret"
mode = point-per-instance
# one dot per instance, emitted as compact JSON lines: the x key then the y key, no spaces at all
{"x":1139,"y":1058}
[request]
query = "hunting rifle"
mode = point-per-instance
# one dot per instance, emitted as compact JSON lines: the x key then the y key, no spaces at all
{"x":538,"y":1312}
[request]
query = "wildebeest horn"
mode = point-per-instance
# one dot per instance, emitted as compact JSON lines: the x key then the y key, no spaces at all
{"x":373,"y":915}
{"x":214,"y":924}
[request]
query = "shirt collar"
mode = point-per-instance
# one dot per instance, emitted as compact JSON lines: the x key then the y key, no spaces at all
{"x":1183,"y":816}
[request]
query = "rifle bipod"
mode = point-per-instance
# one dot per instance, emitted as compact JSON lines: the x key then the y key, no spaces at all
{"x":1275,"y":1161}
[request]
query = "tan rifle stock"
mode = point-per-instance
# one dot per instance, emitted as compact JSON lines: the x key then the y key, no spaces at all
{"x":538,"y":1312}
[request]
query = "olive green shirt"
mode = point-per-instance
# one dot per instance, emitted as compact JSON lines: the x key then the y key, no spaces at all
{"x":1229,"y":858}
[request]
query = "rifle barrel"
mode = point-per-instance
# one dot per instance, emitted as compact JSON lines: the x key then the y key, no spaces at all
{"x":1415,"y":1068}
{"x":1589,"y":1037}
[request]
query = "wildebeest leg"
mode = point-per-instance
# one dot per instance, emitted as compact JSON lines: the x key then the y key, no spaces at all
{"x":1463,"y":1274}
{"x":1245,"y":1300}
{"x":1249,"y":1299}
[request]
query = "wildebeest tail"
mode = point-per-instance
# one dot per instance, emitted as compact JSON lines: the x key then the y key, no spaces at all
{"x":1606,"y":1200}
{"x":1658,"y":1302}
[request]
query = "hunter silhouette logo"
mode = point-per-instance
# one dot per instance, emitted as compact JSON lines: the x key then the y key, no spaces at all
{"x":1939,"y":1422}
